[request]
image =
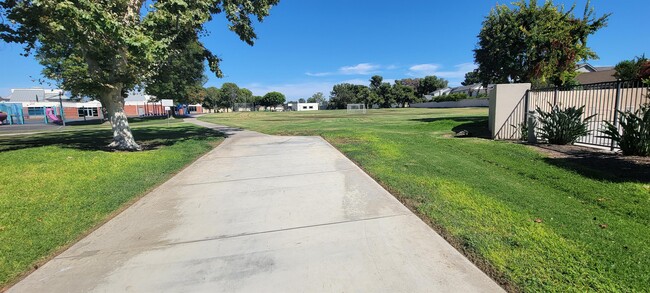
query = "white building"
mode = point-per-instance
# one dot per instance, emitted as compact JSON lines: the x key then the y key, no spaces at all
{"x":303,"y":106}
{"x":437,"y":93}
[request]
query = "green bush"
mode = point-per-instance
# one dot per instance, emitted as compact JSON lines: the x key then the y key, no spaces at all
{"x":563,"y":126}
{"x":522,"y":128}
{"x":635,"y":137}
{"x":451,"y":97}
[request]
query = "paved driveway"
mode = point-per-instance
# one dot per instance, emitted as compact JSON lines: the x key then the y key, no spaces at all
{"x":263,"y":214}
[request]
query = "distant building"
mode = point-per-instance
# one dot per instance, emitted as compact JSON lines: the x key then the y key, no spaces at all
{"x":592,"y":74}
{"x":35,"y":101}
{"x":36,"y":95}
{"x":472,"y":90}
{"x":437,"y":93}
{"x":294,"y":106}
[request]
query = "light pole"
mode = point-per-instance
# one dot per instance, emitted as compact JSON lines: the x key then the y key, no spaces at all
{"x":61,"y":106}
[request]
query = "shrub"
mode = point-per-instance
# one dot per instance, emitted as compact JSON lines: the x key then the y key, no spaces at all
{"x":522,"y":128}
{"x":563,"y":126}
{"x":635,"y":137}
{"x":451,"y":97}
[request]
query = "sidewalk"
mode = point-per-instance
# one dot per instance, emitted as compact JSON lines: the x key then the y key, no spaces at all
{"x":263,"y":213}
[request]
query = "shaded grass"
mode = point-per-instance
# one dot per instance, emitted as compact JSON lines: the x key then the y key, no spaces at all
{"x":54,"y":187}
{"x":84,"y":125}
{"x":539,"y":226}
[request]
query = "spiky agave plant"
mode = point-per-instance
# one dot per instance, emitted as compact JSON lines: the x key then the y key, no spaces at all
{"x":563,"y":126}
{"x":634,"y":137}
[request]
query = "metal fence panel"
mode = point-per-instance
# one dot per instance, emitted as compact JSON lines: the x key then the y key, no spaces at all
{"x":602,"y":100}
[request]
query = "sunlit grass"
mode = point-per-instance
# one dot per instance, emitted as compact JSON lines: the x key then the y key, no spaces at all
{"x":55,"y":187}
{"x":539,"y":225}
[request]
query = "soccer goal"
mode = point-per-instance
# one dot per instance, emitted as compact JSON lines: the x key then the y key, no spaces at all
{"x":356,"y":109}
{"x":243,"y":107}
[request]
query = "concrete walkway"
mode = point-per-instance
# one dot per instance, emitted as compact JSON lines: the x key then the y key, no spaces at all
{"x":263,"y":214}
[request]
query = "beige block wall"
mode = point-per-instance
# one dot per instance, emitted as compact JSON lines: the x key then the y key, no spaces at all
{"x":503,"y":100}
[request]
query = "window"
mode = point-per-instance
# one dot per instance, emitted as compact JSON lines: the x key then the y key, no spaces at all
{"x":35,"y":111}
{"x":304,"y":107}
{"x":87,"y":112}
{"x":191,"y":108}
{"x":311,"y":107}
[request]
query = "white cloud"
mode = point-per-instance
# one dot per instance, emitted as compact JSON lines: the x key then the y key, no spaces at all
{"x":454,"y":76}
{"x":359,"y":69}
{"x":392,"y":67}
{"x":319,"y":74}
{"x":293,"y":91}
{"x":424,"y":69}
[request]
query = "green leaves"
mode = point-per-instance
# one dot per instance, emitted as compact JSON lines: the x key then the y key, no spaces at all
{"x":110,"y":44}
{"x":532,"y":43}
{"x":634,"y":137}
{"x":272,"y":99}
{"x":563,"y":126}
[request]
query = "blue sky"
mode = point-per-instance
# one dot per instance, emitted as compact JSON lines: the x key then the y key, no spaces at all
{"x":307,"y":46}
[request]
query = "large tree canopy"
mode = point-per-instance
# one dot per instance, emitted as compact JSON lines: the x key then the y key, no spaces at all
{"x":429,"y":84}
{"x":182,"y":75}
{"x":272,"y":99}
{"x":533,"y":43}
{"x":471,"y":78}
{"x":105,"y":48}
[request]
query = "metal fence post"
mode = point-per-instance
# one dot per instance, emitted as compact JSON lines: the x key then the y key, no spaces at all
{"x":555,"y":96}
{"x":526,"y":104}
{"x":531,"y":124}
{"x":617,"y":106}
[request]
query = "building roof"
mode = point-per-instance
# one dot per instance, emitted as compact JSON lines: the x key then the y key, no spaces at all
{"x":35,"y":94}
{"x":471,"y":87}
{"x":442,"y":90}
{"x":586,"y":67}
{"x":596,"y":77}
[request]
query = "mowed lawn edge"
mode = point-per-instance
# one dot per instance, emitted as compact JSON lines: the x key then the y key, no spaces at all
{"x":531,"y":222}
{"x":41,"y":218}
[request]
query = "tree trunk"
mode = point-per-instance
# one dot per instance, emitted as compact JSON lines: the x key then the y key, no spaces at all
{"x":123,"y":139}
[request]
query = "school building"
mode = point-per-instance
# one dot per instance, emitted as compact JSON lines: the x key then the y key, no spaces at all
{"x":36,"y":101}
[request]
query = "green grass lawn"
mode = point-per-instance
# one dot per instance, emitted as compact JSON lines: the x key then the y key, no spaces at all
{"x":532,"y":222}
{"x":55,"y":187}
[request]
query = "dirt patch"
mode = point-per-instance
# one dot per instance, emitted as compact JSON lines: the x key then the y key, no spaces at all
{"x":596,"y":163}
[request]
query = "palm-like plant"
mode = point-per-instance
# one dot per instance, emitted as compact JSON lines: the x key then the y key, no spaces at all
{"x":563,"y":126}
{"x":634,"y":139}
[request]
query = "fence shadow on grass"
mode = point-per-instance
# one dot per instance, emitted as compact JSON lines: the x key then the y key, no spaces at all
{"x":98,"y":139}
{"x":477,"y":126}
{"x":606,"y":167}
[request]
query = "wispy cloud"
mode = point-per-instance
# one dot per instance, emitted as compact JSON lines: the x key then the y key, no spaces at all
{"x":359,"y":69}
{"x":459,"y":71}
{"x":392,"y":67}
{"x":424,"y":69}
{"x":319,"y":74}
{"x":295,"y":91}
